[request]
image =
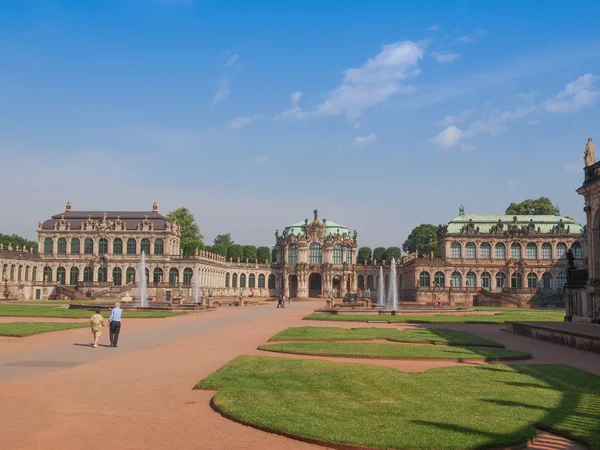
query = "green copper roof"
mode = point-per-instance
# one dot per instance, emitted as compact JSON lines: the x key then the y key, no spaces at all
{"x":542,"y":224}
{"x":331,"y":228}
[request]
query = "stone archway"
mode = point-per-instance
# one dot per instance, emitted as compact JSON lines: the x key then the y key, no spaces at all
{"x":315,"y":285}
{"x":337,"y":287}
{"x":293,"y":284}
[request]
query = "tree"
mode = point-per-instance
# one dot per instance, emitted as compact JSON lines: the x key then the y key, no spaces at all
{"x":539,"y":207}
{"x":223,"y":239}
{"x":378,"y":253}
{"x":235,"y":251}
{"x":15,"y":239}
{"x":263,"y":254}
{"x":422,"y":239}
{"x":219,"y":249}
{"x":249,"y":253}
{"x":364,"y":254}
{"x":190,"y":247}
{"x":190,"y":233}
{"x":392,"y":252}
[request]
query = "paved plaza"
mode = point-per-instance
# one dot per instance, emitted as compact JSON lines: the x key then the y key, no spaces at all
{"x":57,"y":392}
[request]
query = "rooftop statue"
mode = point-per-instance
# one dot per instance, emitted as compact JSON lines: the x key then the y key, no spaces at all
{"x":589,"y":156}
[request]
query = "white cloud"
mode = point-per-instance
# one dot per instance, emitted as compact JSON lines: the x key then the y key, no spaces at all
{"x":361,"y":140}
{"x":573,"y":167}
{"x":449,"y":120}
{"x":533,"y":122}
{"x":445,"y":58}
{"x":435,"y":27}
{"x":261,"y":159}
{"x":232,"y":60}
{"x":467,"y":147}
{"x":295,"y":111}
{"x":223,"y":90}
{"x":448,"y":137}
{"x":576,"y":95}
{"x":240,"y":122}
{"x":357,"y":125}
{"x":466,"y":39}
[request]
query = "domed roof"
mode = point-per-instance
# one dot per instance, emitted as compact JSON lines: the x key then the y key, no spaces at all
{"x":331,"y":228}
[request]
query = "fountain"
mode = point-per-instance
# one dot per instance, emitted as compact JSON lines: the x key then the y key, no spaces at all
{"x":381,"y":288}
{"x":197,"y":286}
{"x":393,"y":288}
{"x":143,"y":282}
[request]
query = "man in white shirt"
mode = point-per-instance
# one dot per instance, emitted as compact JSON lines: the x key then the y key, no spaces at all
{"x":115,"y":324}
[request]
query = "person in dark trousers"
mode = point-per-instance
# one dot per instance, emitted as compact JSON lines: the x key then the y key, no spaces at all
{"x":115,"y":324}
{"x":281,"y":302}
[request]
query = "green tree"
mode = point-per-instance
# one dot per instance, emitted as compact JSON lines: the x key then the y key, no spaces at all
{"x":422,"y":239}
{"x":190,"y":233}
{"x":539,"y":207}
{"x":249,"y":253}
{"x":219,"y":249}
{"x":364,"y":254}
{"x":378,"y":253}
{"x":190,"y":247}
{"x":15,"y":239}
{"x":235,"y":251}
{"x":223,"y":239}
{"x":392,"y":252}
{"x":263,"y":254}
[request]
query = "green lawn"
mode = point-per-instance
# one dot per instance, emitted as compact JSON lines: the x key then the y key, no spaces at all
{"x":394,"y":351}
{"x":20,"y":329}
{"x":376,"y":407}
{"x":49,"y":311}
{"x":500,"y":317}
{"x":420,"y":335}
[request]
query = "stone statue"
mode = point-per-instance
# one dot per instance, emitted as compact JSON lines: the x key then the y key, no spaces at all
{"x":180,"y":291}
{"x":589,"y":156}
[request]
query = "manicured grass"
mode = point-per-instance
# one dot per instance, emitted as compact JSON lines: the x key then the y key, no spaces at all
{"x":500,"y":317}
{"x":376,"y":407}
{"x":420,"y":335}
{"x":20,"y":329}
{"x":49,"y":311}
{"x":394,"y":351}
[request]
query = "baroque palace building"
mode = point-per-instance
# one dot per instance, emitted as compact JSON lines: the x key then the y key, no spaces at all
{"x":483,"y":259}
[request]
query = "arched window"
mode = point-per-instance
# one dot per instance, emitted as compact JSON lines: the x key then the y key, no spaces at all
{"x":251,"y":281}
{"x":130,"y":275}
{"x":227,"y":280}
{"x":27,"y":273}
{"x":61,"y":275}
{"x":117,"y":276}
{"x":188,"y":274}
{"x":48,"y":245}
{"x":88,"y":246}
{"x":361,"y":282}
{"x":337,"y":254}
{"x":20,"y":273}
{"x":173,"y":276}
{"x":547,"y":282}
{"x":516,"y":281}
{"x":118,"y":246}
{"x":4,"y":270}
{"x":147,"y":275}
{"x":370,"y":282}
{"x":157,"y":275}
{"x":348,"y":251}
{"x":145,"y":246}
{"x":315,"y":255}
{"x":103,"y":246}
{"x":561,"y":251}
{"x":439,"y":279}
{"x":242,"y":280}
{"x":500,"y":251}
{"x":486,"y":280}
{"x":515,"y":251}
{"x":271,"y":281}
{"x":561,"y":279}
{"x":12,"y":273}
{"x":456,"y":280}
{"x":47,"y":274}
{"x":131,"y":246}
{"x":261,"y":281}
{"x":88,"y":275}
{"x":75,"y":246}
{"x":485,"y":250}
{"x":577,"y":250}
{"x":500,"y":280}
{"x":532,"y":281}
{"x":455,"y":250}
{"x":234,"y":280}
{"x":546,"y":251}
{"x":159,"y":247}
{"x":74,"y":276}
{"x":61,"y":246}
{"x":424,"y":280}
{"x":532,"y":251}
{"x":387,"y":283}
{"x":470,"y":250}
{"x":471,"y":279}
{"x":102,"y":275}
{"x":293,"y":254}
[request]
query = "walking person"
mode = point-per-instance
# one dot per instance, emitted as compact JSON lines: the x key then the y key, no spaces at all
{"x":115,"y":324}
{"x":97,"y":322}
{"x":290,"y":300}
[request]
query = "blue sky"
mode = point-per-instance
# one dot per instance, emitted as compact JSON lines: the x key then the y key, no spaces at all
{"x":383,"y":114}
